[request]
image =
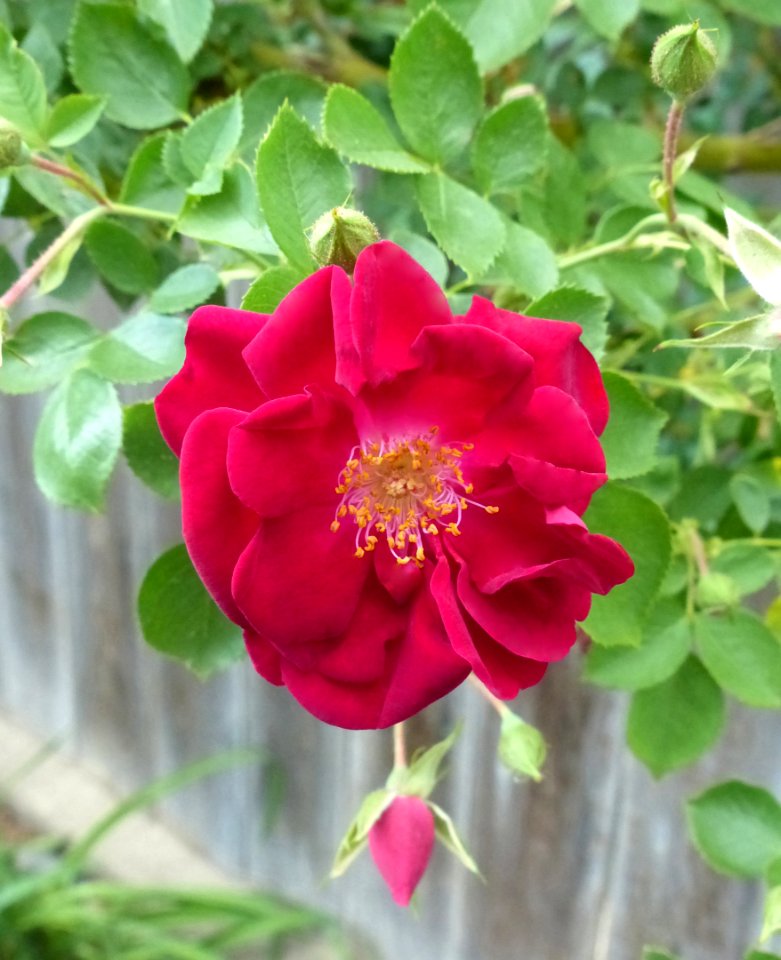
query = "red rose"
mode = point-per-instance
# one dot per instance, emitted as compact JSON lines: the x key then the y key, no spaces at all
{"x":386,"y":497}
{"x":400,"y":843}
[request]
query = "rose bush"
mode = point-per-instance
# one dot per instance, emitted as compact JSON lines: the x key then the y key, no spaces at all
{"x":386,"y":497}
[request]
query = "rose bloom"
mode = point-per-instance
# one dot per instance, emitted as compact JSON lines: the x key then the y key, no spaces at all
{"x":385,"y":497}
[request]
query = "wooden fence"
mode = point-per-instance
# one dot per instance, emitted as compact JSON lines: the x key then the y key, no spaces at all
{"x":589,"y":865}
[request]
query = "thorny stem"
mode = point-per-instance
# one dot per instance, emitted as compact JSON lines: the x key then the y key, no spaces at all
{"x":59,"y":170}
{"x":399,"y":746}
{"x":37,"y":267}
{"x":500,"y":707}
{"x":671,"y":133}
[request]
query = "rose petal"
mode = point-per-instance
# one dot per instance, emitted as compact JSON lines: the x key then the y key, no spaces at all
{"x":296,"y":347}
{"x":265,"y":657}
{"x":400,"y":843}
{"x":213,"y":375}
{"x":560,"y":359}
{"x":401,"y":580}
{"x":288,"y":454}
{"x":393,"y":299}
{"x":297,"y":582}
{"x":217,"y":527}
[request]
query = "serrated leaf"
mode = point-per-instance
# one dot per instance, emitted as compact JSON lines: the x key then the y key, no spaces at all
{"x":72,"y":118}
{"x":754,"y":333}
{"x":77,"y":441}
{"x":736,"y":827}
{"x":526,"y":263}
{"x":580,"y":306}
{"x":143,"y":349}
{"x":641,"y":527}
{"x":752,"y":501}
{"x":609,"y":17}
{"x":671,"y":724}
{"x":435,"y":87}
{"x":112,"y":55}
{"x":468,"y":228}
{"x":510,"y":145}
{"x":428,"y":254}
{"x":665,"y":645}
{"x":270,"y":289}
{"x":448,"y":835}
{"x":53,"y":192}
{"x":564,"y":199}
{"x":120,"y":257}
{"x":632,"y":433}
{"x":757,"y":254}
{"x":750,"y":567}
{"x":263,"y":98}
{"x":230,"y":217}
{"x":762,"y":11}
{"x":39,"y":44}
{"x":522,"y":23}
{"x":742,"y":655}
{"x":185,"y":288}
{"x":147,"y":454}
{"x":372,"y":808}
{"x":180,"y":619}
{"x":207,"y":144}
{"x":355,"y":128}
{"x":422,"y":774}
{"x":43,"y":350}
{"x":185,"y":22}
{"x":22,"y":90}
{"x":298,"y":180}
{"x":146,"y":183}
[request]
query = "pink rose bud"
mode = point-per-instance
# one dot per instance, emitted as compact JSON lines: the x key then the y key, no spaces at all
{"x":401,"y":842}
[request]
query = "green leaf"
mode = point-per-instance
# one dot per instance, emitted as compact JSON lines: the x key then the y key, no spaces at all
{"x":271,"y":287}
{"x":372,"y":808}
{"x":147,"y":454}
{"x":763,"y":11}
{"x":208,"y":143}
{"x":521,"y":747}
{"x":468,"y":228}
{"x":40,"y":45}
{"x":526,"y":262}
{"x":775,"y":380}
{"x":358,"y":130}
{"x":230,"y":217}
{"x":77,"y":441}
{"x":757,"y":254}
{"x":435,"y":87}
{"x":749,"y":567}
{"x":428,"y":254}
{"x":422,"y":775}
{"x":736,"y":827}
{"x":185,"y":22}
{"x":499,"y":30}
{"x":742,"y":655}
{"x":185,"y":288}
{"x":298,"y":180}
{"x":510,"y":145}
{"x":656,"y":953}
{"x":22,"y":90}
{"x":752,"y":501}
{"x":665,"y":645}
{"x":771,"y":914}
{"x":144,"y":348}
{"x":564,"y":201}
{"x":672,"y":724}
{"x":641,"y":283}
{"x":72,"y":118}
{"x":448,"y":835}
{"x":579,"y":306}
{"x":264,"y":97}
{"x":642,"y":529}
{"x":121,"y":257}
{"x":632,"y":432}
{"x":609,"y":17}
{"x":146,"y":182}
{"x":53,"y":192}
{"x":180,"y":619}
{"x":112,"y":55}
{"x":57,"y":269}
{"x":43,"y":350}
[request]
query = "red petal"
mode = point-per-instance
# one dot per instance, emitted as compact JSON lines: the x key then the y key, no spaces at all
{"x":393,"y":299}
{"x":296,"y":347}
{"x":560,"y":359}
{"x":213,"y":375}
{"x":217,"y":526}
{"x":288,"y":453}
{"x":298,"y":583}
{"x":401,"y":842}
{"x":265,"y":657}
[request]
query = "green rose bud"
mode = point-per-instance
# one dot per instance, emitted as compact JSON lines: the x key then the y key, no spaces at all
{"x":340,"y":235}
{"x":717,"y":590}
{"x":683,"y":60}
{"x":12,"y":150}
{"x":521,"y":747}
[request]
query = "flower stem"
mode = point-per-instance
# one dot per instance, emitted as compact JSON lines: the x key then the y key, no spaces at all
{"x":671,"y":132}
{"x":37,"y":267}
{"x":498,"y":705}
{"x":59,"y":170}
{"x":613,"y":246}
{"x":399,"y":746}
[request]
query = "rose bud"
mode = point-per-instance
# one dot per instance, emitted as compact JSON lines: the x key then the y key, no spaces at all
{"x":340,"y":235}
{"x":683,"y":61}
{"x":401,"y":842}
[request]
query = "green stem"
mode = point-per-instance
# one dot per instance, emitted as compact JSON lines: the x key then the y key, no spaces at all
{"x":60,"y":170}
{"x":618,"y":245}
{"x":399,"y":746}
{"x":671,"y":133}
{"x":498,"y":705}
{"x":126,"y":210}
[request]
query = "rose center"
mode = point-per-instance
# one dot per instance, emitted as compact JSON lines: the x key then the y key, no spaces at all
{"x":404,"y":489}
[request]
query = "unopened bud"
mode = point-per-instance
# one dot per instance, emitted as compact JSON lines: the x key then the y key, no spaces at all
{"x":683,"y":60}
{"x":340,"y":235}
{"x":400,"y":843}
{"x":12,"y":149}
{"x":521,"y":746}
